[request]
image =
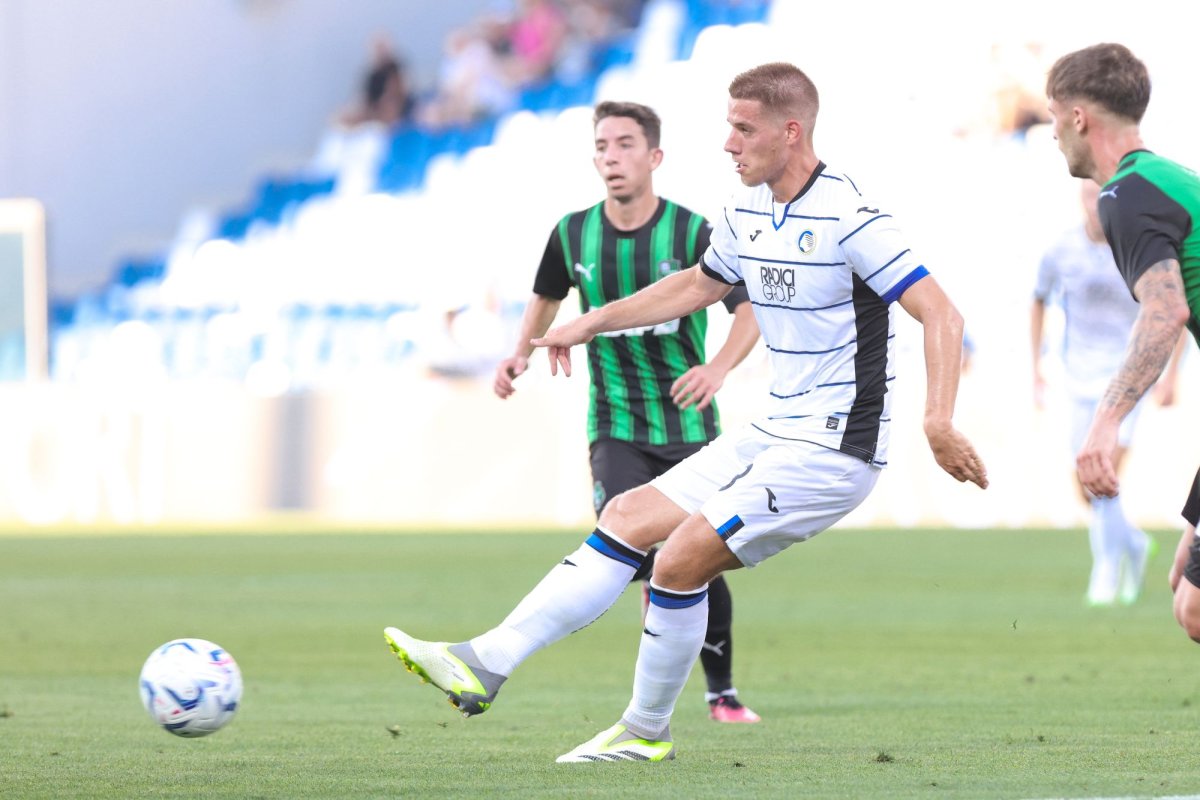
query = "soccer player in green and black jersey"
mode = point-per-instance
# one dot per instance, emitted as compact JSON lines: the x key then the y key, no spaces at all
{"x":651,"y":389}
{"x":1149,"y":207}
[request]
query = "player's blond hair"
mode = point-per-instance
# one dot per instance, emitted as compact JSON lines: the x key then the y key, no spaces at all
{"x":782,"y":88}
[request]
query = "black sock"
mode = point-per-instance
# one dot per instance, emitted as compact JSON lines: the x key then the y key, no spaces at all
{"x":717,"y":654}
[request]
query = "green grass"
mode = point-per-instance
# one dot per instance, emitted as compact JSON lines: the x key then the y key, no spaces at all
{"x":932,"y":664}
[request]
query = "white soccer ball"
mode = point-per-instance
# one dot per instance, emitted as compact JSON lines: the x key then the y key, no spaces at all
{"x":191,"y":687}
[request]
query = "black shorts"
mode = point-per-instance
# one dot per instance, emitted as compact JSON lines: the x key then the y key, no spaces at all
{"x":1191,"y":509}
{"x":1191,"y":512}
{"x":619,"y":466}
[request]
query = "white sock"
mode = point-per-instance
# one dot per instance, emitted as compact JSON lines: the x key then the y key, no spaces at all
{"x":671,"y":642}
{"x":572,"y":595}
{"x":1107,"y":537}
{"x":1129,"y":539}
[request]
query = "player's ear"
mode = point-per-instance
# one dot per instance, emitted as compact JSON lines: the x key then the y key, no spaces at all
{"x":656,"y":157}
{"x":1080,"y":118}
{"x":793,"y":131}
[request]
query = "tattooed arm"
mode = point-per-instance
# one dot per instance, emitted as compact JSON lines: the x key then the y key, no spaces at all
{"x":1164,"y":311}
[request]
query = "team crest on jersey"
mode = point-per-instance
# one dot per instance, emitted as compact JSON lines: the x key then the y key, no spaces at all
{"x":667,"y":266}
{"x":808,"y":242}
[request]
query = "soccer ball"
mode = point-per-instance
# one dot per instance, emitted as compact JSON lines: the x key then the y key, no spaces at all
{"x":191,"y":687}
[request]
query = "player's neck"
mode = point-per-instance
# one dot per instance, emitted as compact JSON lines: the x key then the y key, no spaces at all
{"x":632,"y":213}
{"x":795,"y":177}
{"x":1110,"y":149}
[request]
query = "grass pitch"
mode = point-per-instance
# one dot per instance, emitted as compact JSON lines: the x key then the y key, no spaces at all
{"x":938,"y":664}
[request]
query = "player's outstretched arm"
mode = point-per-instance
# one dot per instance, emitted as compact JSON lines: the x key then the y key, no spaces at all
{"x":1160,"y":321}
{"x":539,"y":314}
{"x":943,"y":325}
{"x":700,"y":384}
{"x":671,"y":298}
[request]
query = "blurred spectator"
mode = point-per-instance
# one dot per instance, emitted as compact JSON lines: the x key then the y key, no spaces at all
{"x":536,"y":36}
{"x":353,"y":148}
{"x":386,"y":97}
{"x":1018,"y":93}
{"x":472,"y":80}
{"x":590,"y":26}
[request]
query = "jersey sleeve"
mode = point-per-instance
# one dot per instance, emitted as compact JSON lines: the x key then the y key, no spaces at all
{"x":552,"y":279}
{"x":877,"y":252}
{"x":1143,"y":226}
{"x":720,"y":260}
{"x":738,"y":294}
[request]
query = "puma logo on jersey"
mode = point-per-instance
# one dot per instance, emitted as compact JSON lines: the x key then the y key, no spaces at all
{"x":754,"y":235}
{"x":585,"y":271}
{"x":771,"y":498}
{"x":1108,"y":193}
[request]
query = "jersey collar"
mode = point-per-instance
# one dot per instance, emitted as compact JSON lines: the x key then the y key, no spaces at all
{"x":816,"y":173}
{"x":650,"y":223}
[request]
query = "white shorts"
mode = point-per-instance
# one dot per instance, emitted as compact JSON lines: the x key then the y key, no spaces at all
{"x":763,"y":494}
{"x":1082,"y":411}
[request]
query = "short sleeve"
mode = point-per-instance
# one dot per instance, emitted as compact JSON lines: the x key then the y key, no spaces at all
{"x":878,"y":253}
{"x":720,"y":260}
{"x":552,"y":279}
{"x":1143,"y":226}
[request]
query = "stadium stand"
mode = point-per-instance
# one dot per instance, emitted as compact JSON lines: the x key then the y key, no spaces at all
{"x":309,"y":255}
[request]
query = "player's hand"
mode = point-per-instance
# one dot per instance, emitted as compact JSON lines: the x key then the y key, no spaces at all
{"x":1095,"y":460}
{"x":956,"y":455}
{"x":559,"y":341}
{"x":506,"y":371}
{"x":697,"y":386}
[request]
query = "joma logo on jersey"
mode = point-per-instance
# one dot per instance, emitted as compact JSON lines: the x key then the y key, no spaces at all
{"x":778,"y":283}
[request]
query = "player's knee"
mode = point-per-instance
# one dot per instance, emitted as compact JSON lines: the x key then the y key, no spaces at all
{"x":630,"y":516}
{"x":1190,"y":622}
{"x":1187,"y":609}
{"x":1192,"y":628}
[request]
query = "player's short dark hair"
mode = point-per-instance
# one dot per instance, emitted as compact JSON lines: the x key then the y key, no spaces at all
{"x":781,"y":88}
{"x":1107,"y":74}
{"x":642,"y":115}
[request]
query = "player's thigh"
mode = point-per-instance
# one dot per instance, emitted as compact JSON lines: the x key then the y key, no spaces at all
{"x":693,"y":555}
{"x":642,"y":517}
{"x":792,"y":492}
{"x":617,"y":467}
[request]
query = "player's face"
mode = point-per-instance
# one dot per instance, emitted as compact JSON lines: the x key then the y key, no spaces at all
{"x":756,"y":141}
{"x":1070,"y":140}
{"x":623,"y":158}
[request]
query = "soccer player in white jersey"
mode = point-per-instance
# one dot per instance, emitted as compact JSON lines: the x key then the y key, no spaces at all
{"x":823,"y":267}
{"x":1078,"y":272}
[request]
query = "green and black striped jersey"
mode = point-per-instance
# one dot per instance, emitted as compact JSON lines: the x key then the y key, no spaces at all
{"x":1149,"y":211}
{"x":632,"y":371}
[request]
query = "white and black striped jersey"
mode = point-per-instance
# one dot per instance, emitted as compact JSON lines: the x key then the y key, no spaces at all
{"x":822,"y":272}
